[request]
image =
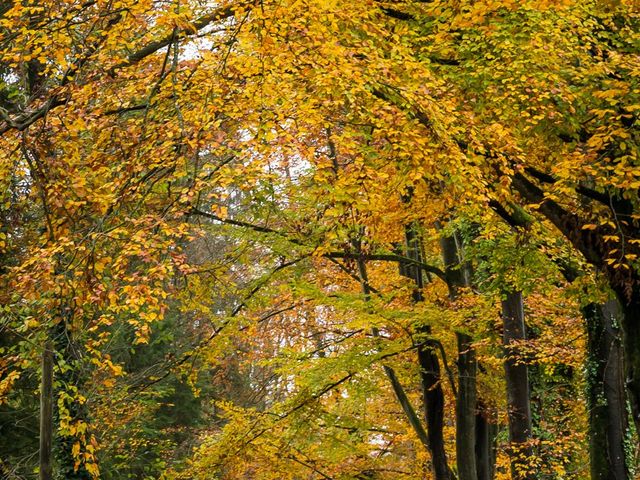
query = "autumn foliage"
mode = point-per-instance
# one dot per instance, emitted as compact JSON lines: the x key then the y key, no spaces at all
{"x":311,"y":239}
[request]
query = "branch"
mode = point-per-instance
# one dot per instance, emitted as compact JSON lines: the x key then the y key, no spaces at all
{"x":390,"y":257}
{"x":588,"y":242}
{"x":516,"y":216}
{"x":415,"y":112}
{"x":433,"y":342}
{"x":238,"y":223}
{"x":615,"y":204}
{"x":23,"y":121}
{"x":397,"y":14}
{"x":221,"y":13}
{"x":520,"y":219}
{"x":410,"y":412}
{"x":503,"y":213}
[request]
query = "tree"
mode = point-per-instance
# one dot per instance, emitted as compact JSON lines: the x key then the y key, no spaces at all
{"x":237,"y":176}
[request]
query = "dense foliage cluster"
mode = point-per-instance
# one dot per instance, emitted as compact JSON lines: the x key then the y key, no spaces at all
{"x":312,"y":239}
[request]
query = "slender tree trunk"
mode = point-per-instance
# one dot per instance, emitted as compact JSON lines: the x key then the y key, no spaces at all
{"x":486,"y":433}
{"x":606,"y":392}
{"x":518,"y":395}
{"x":430,"y":374}
{"x":433,"y":402}
{"x":407,"y":408}
{"x":466,"y":401}
{"x":466,"y":405}
{"x":46,"y":414}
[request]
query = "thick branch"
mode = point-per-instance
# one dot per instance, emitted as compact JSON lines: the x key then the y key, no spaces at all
{"x":520,"y":219}
{"x":221,"y":13}
{"x":432,"y":342}
{"x":390,"y":257}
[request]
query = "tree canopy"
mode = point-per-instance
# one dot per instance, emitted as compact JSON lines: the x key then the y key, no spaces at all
{"x":311,"y":239}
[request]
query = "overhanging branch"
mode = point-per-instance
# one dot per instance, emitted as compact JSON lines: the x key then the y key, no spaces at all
{"x":389,"y":257}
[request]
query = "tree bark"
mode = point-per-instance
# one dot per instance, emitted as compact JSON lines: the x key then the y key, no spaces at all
{"x":606,"y":392}
{"x":46,"y":414}
{"x":433,"y":403}
{"x":517,"y":379}
{"x":625,"y":282}
{"x":430,"y":374}
{"x":457,"y":275}
{"x":486,"y":433}
{"x":631,"y":342}
{"x":466,"y":406}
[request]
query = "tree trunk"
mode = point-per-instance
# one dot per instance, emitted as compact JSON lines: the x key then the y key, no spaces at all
{"x":430,"y":374}
{"x":433,"y":402}
{"x":46,"y":414}
{"x":518,"y":395}
{"x":75,"y":376}
{"x":466,"y":404}
{"x":625,"y":282}
{"x":458,"y":276}
{"x":486,"y":433}
{"x":606,"y":392}
{"x":631,"y":340}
